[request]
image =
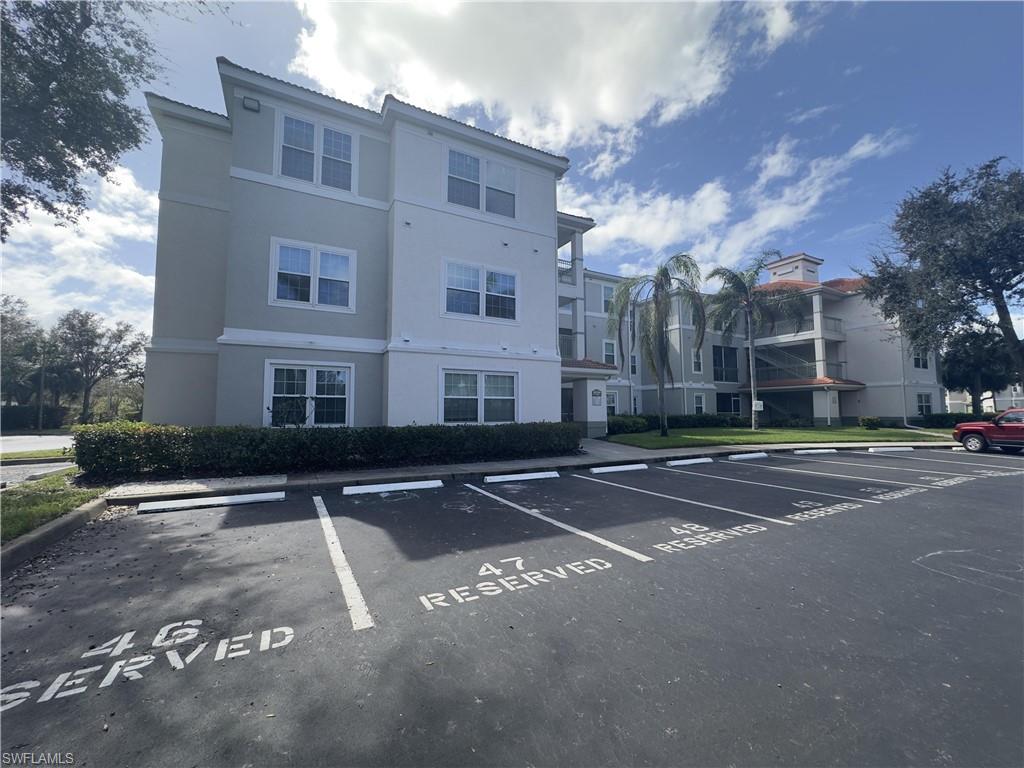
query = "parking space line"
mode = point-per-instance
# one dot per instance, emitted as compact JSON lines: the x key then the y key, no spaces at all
{"x":848,"y":477}
{"x":947,"y":461}
{"x":882,"y":466}
{"x":685,"y":501}
{"x":770,"y":485}
{"x":357,"y":609}
{"x":566,"y":527}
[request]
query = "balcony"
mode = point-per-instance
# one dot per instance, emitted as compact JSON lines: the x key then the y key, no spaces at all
{"x":726,"y":374}
{"x":798,"y":371}
{"x":565,"y":345}
{"x":832,"y":327}
{"x":565,"y":272}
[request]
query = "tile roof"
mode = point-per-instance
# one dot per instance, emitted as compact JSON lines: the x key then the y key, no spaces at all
{"x":846,"y":284}
{"x":818,"y":381}
{"x":841,"y":284}
{"x":801,"y":284}
{"x":585,"y":363}
{"x":183,"y":104}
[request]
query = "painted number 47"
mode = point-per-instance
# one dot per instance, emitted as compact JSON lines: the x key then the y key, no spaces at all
{"x":489,"y":570}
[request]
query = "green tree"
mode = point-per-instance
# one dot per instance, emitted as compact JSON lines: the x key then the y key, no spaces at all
{"x":958,"y":254}
{"x":96,"y":352}
{"x":68,"y":71}
{"x":19,"y":338}
{"x":744,"y":301}
{"x":648,"y":299}
{"x":976,"y":362}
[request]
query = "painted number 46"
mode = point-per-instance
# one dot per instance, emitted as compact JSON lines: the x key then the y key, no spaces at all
{"x":489,"y":570}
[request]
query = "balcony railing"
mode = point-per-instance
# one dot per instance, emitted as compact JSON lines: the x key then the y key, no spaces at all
{"x":799,"y":371}
{"x":565,"y":272}
{"x":835,"y":370}
{"x":726,"y":374}
{"x":787,"y":327}
{"x":833,"y":324}
{"x":565,"y":346}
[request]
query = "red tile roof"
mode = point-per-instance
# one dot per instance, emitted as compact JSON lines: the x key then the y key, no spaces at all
{"x":846,"y":284}
{"x":819,"y":381}
{"x":585,"y":363}
{"x":841,"y":284}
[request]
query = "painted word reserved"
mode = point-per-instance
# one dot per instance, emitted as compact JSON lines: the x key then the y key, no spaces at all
{"x":510,"y":583}
{"x":174,"y":634}
{"x":700,"y":536}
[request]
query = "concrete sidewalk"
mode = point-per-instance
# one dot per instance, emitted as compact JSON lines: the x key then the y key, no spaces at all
{"x":595,"y":453}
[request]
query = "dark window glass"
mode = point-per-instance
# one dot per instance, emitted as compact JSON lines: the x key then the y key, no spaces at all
{"x":500,"y":202}
{"x":292,"y":287}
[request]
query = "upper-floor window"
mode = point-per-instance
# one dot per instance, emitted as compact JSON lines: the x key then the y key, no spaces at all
{"x":698,"y":361}
{"x":632,"y":364}
{"x":609,"y":352}
{"x":723,"y":361}
{"x":607,"y":298}
{"x":464,"y":182}
{"x":315,"y":276}
{"x":920,"y":359}
{"x":480,"y":292}
{"x":302,"y":158}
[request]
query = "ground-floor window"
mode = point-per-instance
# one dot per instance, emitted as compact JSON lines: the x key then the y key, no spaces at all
{"x":477,"y":397}
{"x":924,"y":403}
{"x":611,"y":400}
{"x":727,"y":402}
{"x":698,"y":403}
{"x":315,"y":395}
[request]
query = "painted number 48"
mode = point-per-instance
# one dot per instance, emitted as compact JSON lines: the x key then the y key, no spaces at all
{"x":489,"y":570}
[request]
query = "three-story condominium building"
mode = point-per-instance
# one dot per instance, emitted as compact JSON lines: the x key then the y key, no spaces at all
{"x":322,"y":264}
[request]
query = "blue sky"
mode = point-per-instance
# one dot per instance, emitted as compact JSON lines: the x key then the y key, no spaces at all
{"x":719,"y":130}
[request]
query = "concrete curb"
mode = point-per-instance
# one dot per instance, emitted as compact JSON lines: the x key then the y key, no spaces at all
{"x":556,"y":464}
{"x":51,"y":460}
{"x":33,"y":543}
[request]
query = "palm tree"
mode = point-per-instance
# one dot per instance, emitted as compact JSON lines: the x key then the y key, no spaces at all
{"x":648,"y":300}
{"x":759,"y":307}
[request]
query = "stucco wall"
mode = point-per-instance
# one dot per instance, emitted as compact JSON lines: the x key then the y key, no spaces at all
{"x":181,"y":388}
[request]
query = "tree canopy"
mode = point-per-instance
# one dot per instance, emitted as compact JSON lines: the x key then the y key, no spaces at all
{"x":957,"y":258}
{"x":977,"y":362}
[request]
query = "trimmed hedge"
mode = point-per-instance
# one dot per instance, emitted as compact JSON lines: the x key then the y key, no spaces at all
{"x":126,"y":448}
{"x":646,"y":422}
{"x":21,"y":417}
{"x":618,"y":425}
{"x":870,"y":422}
{"x":950,"y":420}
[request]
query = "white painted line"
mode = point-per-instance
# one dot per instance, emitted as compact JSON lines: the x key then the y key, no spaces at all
{"x":357,"y":610}
{"x":770,"y":485}
{"x":887,"y":469}
{"x":890,"y":449}
{"x":517,"y":478}
{"x":815,"y":450}
{"x":566,"y":527}
{"x":209,"y":501}
{"x":617,"y":468}
{"x":353,"y":490}
{"x":745,"y":456}
{"x":947,"y":461}
{"x":687,"y":462}
{"x":685,"y":501}
{"x":845,"y":477}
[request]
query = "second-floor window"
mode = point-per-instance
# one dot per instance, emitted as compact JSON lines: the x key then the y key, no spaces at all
{"x":464,"y":183}
{"x":313,"y":275}
{"x":723,"y":360}
{"x":607,"y":297}
{"x":301,"y":157}
{"x":480,"y":292}
{"x":632,"y":364}
{"x":698,"y":362}
{"x":920,"y":359}
{"x":609,"y":352}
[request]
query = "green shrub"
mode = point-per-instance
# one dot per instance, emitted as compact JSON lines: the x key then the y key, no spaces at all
{"x":21,"y":417}
{"x":618,"y":425}
{"x":126,"y":448}
{"x":870,"y":422}
{"x":950,"y":420}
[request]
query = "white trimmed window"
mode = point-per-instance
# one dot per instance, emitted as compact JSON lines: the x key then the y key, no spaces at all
{"x":609,"y":352}
{"x":698,"y":402}
{"x":611,"y":400}
{"x":478,"y":397}
{"x":307,"y":395}
{"x":924,"y":403}
{"x":920,"y":359}
{"x":698,"y":362}
{"x":632,"y":365}
{"x":480,"y":292}
{"x":316,"y":153}
{"x":607,"y":298}
{"x":312,"y":276}
{"x":467,"y":174}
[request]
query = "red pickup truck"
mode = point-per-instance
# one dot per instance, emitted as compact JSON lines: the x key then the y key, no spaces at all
{"x":1005,"y":431}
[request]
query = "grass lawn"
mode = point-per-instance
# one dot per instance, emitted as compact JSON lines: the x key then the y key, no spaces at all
{"x":42,"y":453}
{"x":696,"y":437}
{"x":29,"y":505}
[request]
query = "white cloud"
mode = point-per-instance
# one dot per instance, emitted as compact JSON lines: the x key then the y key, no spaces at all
{"x":803,"y":115}
{"x":556,"y":76}
{"x":56,"y":268}
{"x":855,"y":69}
{"x":635,"y":228}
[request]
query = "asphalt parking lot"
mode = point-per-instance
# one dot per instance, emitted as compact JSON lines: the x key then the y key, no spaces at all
{"x":827,"y":609}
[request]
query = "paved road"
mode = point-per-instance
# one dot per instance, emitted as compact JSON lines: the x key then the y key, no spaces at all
{"x":845,"y":609}
{"x":19,"y":473}
{"x":13,"y":443}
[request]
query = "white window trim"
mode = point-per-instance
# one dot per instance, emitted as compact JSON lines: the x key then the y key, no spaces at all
{"x":480,"y":373}
{"x":606,"y":310}
{"x":314,"y":269}
{"x":483,"y":157}
{"x":310,"y":365}
{"x":482,"y":317}
{"x":703,"y":402}
{"x":611,"y":400}
{"x":697,"y":360}
{"x":615,"y":351}
{"x":923,"y":358}
{"x":918,"y":401}
{"x":634,"y":365}
{"x":319,"y":124}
